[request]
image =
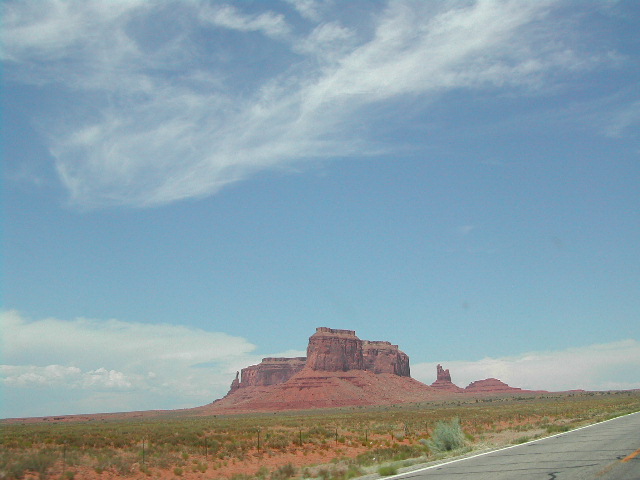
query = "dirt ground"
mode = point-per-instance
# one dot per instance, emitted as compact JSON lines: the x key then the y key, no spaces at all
{"x":487,"y":425}
{"x":312,"y":459}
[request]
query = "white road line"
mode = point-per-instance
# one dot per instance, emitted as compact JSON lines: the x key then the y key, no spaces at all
{"x":399,"y":475}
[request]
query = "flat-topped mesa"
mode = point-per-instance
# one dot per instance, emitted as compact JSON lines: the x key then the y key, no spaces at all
{"x":270,"y":371}
{"x":490,"y":385}
{"x":383,"y":357}
{"x":334,"y":350}
{"x":335,"y":331}
{"x":329,"y":350}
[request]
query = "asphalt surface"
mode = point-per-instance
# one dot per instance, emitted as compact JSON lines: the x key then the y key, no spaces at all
{"x":604,"y":451}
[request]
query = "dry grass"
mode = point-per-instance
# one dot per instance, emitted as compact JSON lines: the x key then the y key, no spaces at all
{"x":330,"y":444}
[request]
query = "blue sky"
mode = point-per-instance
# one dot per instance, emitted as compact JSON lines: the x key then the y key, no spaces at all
{"x":191,"y":186}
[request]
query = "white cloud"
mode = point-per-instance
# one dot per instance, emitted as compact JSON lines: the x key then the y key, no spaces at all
{"x":159,"y":365}
{"x":182,"y":118}
{"x":309,"y":9}
{"x":94,"y":342}
{"x":22,"y":376}
{"x":227,"y":16}
{"x":66,"y":376}
{"x":594,"y":367}
{"x":329,"y":42}
{"x":51,"y":30}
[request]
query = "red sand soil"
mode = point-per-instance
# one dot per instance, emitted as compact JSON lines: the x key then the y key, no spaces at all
{"x":313,"y":457}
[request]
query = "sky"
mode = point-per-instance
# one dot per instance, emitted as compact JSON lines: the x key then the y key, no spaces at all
{"x":191,"y":186}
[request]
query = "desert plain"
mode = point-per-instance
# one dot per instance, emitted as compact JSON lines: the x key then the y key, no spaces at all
{"x":339,"y":443}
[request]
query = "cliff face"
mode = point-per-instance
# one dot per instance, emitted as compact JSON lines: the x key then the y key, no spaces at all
{"x":382,"y":357}
{"x":333,"y":350}
{"x":329,"y":350}
{"x":271,"y":371}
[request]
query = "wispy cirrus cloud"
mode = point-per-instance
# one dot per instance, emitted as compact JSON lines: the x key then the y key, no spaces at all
{"x":162,"y":114}
{"x":227,"y":16}
{"x":309,"y":9}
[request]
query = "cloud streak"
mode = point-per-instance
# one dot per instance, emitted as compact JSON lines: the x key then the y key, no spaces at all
{"x":65,"y":376}
{"x":227,"y":16}
{"x":156,"y":117}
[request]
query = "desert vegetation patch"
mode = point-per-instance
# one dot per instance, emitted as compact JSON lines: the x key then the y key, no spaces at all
{"x":325,"y":444}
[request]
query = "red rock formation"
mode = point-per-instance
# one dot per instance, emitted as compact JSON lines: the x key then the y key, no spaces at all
{"x":382,"y":357}
{"x":271,"y":371}
{"x":442,"y":374}
{"x":235,"y":385}
{"x":333,"y":350}
{"x":310,"y":389}
{"x":490,"y":385}
{"x":329,"y":350}
{"x":443,"y":381}
{"x":340,"y":370}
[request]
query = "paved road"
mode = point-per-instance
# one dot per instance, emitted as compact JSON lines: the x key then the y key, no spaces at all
{"x":605,"y":451}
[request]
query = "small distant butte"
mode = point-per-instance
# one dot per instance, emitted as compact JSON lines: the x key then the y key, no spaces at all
{"x":340,"y":370}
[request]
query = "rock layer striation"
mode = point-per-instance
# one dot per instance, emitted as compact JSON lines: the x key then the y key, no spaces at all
{"x":329,"y":350}
{"x":271,"y":371}
{"x":333,"y":350}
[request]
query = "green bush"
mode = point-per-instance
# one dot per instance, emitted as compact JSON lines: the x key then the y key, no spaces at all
{"x":338,"y":472}
{"x":38,"y":462}
{"x":557,"y":428}
{"x":241,"y":476}
{"x":394,"y":453}
{"x":284,"y":472}
{"x":262,"y":472}
{"x":521,"y":440}
{"x":387,"y":470}
{"x":353,"y":472}
{"x":447,"y":436}
{"x":278,"y":442}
